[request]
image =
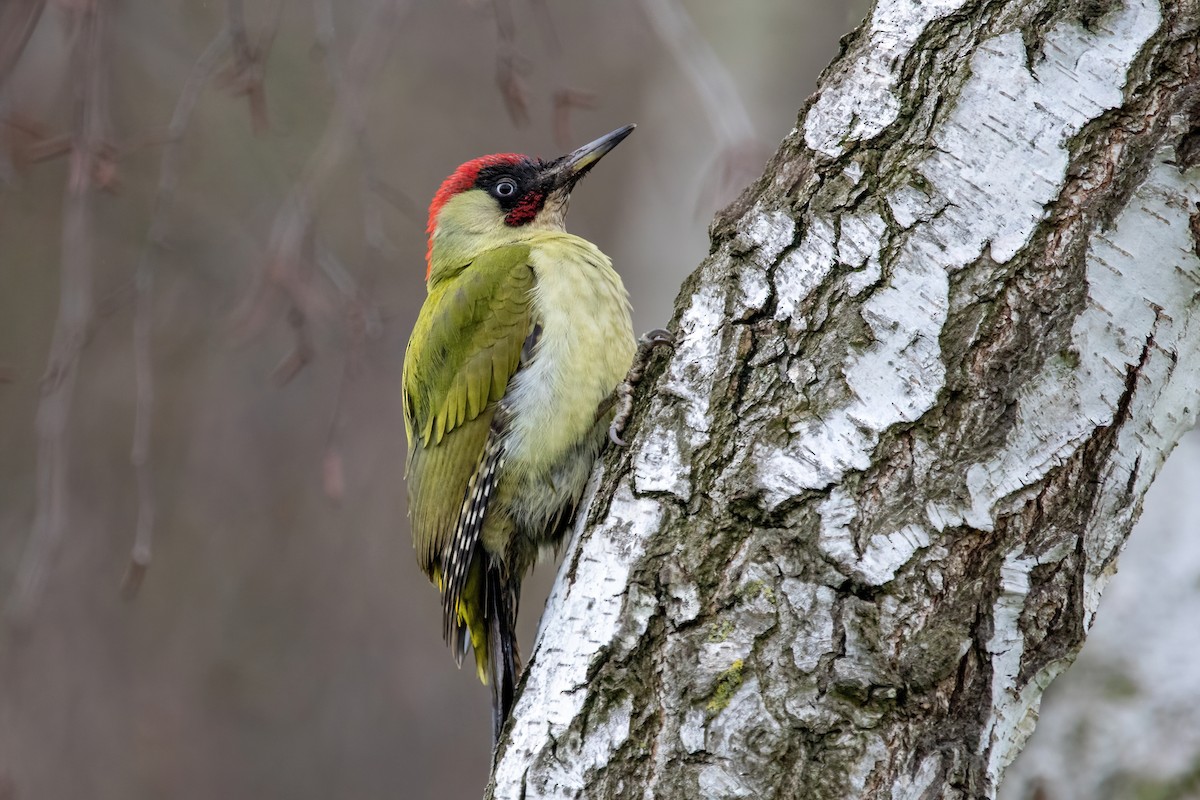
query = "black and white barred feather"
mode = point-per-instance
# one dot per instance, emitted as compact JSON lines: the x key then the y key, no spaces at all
{"x":461,"y":549}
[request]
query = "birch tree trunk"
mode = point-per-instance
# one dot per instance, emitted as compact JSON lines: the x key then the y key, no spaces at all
{"x":936,"y":357}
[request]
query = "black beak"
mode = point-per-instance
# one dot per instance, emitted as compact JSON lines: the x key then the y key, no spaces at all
{"x":570,"y":168}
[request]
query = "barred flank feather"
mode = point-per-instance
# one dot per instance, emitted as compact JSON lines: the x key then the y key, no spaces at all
{"x":461,"y":549}
{"x":464,"y":555}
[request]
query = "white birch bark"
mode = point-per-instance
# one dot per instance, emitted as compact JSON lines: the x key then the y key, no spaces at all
{"x":1122,"y":722}
{"x":934,"y":361}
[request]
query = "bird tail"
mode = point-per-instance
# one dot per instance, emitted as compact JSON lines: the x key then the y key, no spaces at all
{"x":504,"y":662}
{"x":485,"y":621}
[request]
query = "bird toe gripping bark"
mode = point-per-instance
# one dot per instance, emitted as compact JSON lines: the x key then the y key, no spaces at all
{"x":622,"y":396}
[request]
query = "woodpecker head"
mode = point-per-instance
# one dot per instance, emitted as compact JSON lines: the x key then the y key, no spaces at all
{"x":491,"y":200}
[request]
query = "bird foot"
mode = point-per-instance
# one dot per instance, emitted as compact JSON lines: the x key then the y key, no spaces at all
{"x":622,"y":396}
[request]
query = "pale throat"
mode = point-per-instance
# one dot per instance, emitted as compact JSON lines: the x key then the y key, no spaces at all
{"x":471,"y":223}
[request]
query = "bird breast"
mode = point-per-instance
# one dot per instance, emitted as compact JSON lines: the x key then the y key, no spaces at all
{"x":584,"y":351}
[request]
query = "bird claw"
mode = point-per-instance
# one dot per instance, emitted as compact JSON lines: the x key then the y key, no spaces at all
{"x":623,"y":400}
{"x":623,"y":394}
{"x":658,"y":337}
{"x":615,"y":437}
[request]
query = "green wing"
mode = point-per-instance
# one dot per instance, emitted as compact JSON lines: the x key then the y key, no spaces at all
{"x":465,"y":347}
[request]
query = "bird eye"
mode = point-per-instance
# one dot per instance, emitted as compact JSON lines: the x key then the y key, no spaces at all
{"x":507,"y":187}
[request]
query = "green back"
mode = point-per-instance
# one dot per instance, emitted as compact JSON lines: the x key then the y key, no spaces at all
{"x":465,"y":347}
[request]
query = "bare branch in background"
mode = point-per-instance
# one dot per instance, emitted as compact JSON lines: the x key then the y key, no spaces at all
{"x":364,"y":316}
{"x":294,"y":246}
{"x":143,"y":322}
{"x":352,"y":107}
{"x":18,"y":18}
{"x":7,"y":167}
{"x":545,"y":21}
{"x":89,"y":58}
{"x":235,"y":15}
{"x":510,"y":66}
{"x":712,"y":82}
{"x":565,"y":102}
{"x":292,"y":231}
{"x":247,"y":74}
{"x":741,"y":154}
{"x":566,"y":99}
{"x":282,"y":273}
{"x":301,"y":353}
{"x":399,"y":201}
{"x":25,"y":141}
{"x":349,"y":115}
{"x":363,"y":322}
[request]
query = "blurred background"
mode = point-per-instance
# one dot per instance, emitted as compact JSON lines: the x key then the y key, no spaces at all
{"x":224,"y":288}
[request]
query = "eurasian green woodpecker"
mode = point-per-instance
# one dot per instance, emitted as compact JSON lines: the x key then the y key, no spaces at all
{"x":523,"y":338}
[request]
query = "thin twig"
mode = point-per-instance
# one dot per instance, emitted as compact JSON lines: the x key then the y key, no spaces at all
{"x":7,"y":151}
{"x":18,"y":18}
{"x":356,"y":299}
{"x":301,"y":353}
{"x":713,"y":84}
{"x":363,"y":323}
{"x":545,"y":21}
{"x":566,"y":101}
{"x":47,"y":149}
{"x":235,"y":18}
{"x":400,"y":201}
{"x":348,"y":120}
{"x":27,"y":142}
{"x":352,"y":107}
{"x":739,"y":159}
{"x":510,"y":66}
{"x":292,"y":230}
{"x":143,"y":320}
{"x":247,"y":75}
{"x":89,"y":67}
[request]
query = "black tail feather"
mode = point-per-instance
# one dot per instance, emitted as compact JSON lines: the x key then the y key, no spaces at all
{"x":503,"y":658}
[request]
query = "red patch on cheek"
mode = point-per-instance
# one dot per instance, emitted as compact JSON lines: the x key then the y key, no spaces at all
{"x":525,"y":211}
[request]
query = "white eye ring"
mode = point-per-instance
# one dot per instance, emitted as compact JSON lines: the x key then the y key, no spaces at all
{"x":507,"y":187}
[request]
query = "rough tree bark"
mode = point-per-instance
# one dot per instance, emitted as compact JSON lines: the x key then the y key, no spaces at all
{"x":935,"y":358}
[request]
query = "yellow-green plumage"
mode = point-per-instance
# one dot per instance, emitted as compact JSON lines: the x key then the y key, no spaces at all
{"x":524,"y":334}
